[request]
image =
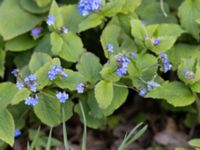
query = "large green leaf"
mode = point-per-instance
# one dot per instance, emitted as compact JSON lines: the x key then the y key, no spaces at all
{"x":91,"y":121}
{"x":38,"y":59}
{"x":72,"y":47}
{"x":73,"y":19}
{"x":21,"y":95}
{"x":7,"y":92}
{"x":73,"y":79}
{"x":48,"y":110}
{"x":56,"y":43}
{"x":180,"y":51}
{"x":90,"y":67}
{"x":20,"y":43}
{"x":175,"y":93}
{"x":14,"y":20}
{"x":120,"y":95}
{"x":7,"y":127}
{"x":91,"y":21}
{"x":130,"y":6}
{"x":43,"y":3}
{"x":188,"y":12}
{"x":2,"y":62}
{"x":104,"y":93}
{"x":32,"y":7}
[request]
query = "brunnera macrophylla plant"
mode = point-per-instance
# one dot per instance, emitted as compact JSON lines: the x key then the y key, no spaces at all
{"x":45,"y":65}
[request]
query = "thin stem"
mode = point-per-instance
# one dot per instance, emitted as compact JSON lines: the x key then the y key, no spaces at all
{"x":198,"y":107}
{"x":124,"y":86}
{"x":64,"y":130}
{"x":162,"y":8}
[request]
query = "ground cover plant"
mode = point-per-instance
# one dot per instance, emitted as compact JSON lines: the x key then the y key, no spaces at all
{"x":104,"y":62}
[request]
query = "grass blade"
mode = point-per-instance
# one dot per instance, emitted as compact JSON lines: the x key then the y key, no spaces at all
{"x":34,"y":140}
{"x":48,"y":146}
{"x":84,"y":141}
{"x":64,"y":130}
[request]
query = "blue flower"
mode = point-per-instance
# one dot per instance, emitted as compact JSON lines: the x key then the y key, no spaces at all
{"x":36,"y":31}
{"x":19,"y":85}
{"x":109,"y":47}
{"x":189,"y":74}
{"x":55,"y":71}
{"x":123,"y":65}
{"x":31,"y":82}
{"x":64,"y":29}
{"x":15,"y":72}
{"x":165,"y":62}
{"x":133,"y":55}
{"x":156,"y":41}
{"x":31,"y":101}
{"x":80,"y":88}
{"x":50,"y":20}
{"x":143,"y":92}
{"x":17,"y":133}
{"x":87,"y":6}
{"x":62,"y":96}
{"x":152,"y":85}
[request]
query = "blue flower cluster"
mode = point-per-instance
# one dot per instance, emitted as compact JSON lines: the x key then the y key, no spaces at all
{"x":156,"y":41}
{"x":62,"y":96}
{"x":80,"y":88}
{"x":36,"y":31}
{"x":17,"y":133}
{"x":51,"y":20}
{"x":165,"y":62}
{"x":110,"y":48}
{"x":19,"y":85}
{"x":189,"y":74}
{"x":55,"y":71}
{"x":31,"y":82}
{"x":15,"y":72}
{"x":87,"y":6}
{"x":31,"y":101}
{"x":150,"y":85}
{"x":123,"y":65}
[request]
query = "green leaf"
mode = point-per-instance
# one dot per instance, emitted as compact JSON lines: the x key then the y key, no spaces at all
{"x":112,"y":8}
{"x":43,"y":3}
{"x":7,"y":127}
{"x":2,"y":62}
{"x":73,"y":79}
{"x":72,"y":47}
{"x":56,"y":43}
{"x":49,"y":105}
{"x":91,"y":121}
{"x":20,"y":43}
{"x":195,"y":143}
{"x":180,"y":51}
{"x":12,"y":19}
{"x":188,"y":12}
{"x":150,"y":11}
{"x":119,"y":97}
{"x":89,"y":66}
{"x":55,"y":11}
{"x":38,"y":59}
{"x":130,"y":6}
{"x":191,"y":65}
{"x":175,"y":93}
{"x":44,"y":45}
{"x":91,"y":21}
{"x":73,"y":19}
{"x":21,"y":95}
{"x":32,"y":7}
{"x":7,"y":92}
{"x":42,"y":73}
{"x":104,"y":93}
{"x":195,"y":87}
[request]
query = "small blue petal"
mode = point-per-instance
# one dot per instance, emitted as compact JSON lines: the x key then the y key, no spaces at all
{"x":109,"y":47}
{"x":189,"y":74}
{"x":15,"y":72}
{"x":31,"y":101}
{"x":36,"y":31}
{"x":143,"y":92}
{"x":19,"y":85}
{"x":80,"y":88}
{"x":17,"y":133}
{"x":50,"y":20}
{"x":156,"y":41}
{"x":62,"y":96}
